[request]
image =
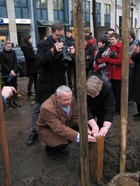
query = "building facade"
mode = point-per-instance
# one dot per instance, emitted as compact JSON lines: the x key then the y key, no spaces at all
{"x":35,"y":17}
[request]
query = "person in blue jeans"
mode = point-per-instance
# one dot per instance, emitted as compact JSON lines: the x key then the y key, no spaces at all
{"x":7,"y":92}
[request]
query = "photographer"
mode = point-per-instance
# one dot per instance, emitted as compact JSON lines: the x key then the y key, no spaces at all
{"x":52,"y":68}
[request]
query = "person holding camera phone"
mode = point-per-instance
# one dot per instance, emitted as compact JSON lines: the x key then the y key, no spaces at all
{"x":52,"y":69}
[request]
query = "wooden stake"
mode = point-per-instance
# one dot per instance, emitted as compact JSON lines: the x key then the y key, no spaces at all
{"x":4,"y":143}
{"x":81,"y":89}
{"x":96,"y":156}
{"x":124,"y":85}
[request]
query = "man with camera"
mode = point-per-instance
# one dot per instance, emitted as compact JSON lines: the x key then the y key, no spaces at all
{"x":52,"y":69}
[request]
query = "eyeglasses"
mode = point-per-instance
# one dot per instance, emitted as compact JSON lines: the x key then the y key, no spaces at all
{"x":68,"y":99}
{"x":58,"y":35}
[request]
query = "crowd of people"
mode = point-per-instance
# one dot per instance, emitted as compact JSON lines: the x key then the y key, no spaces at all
{"x":52,"y":70}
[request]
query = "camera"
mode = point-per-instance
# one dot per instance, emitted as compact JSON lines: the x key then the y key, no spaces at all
{"x":113,"y":54}
{"x":65,"y":51}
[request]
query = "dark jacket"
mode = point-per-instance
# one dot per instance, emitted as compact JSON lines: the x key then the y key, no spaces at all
{"x":103,"y":104}
{"x":69,"y":41}
{"x":136,"y":78}
{"x":29,"y":54}
{"x":3,"y":101}
{"x":51,"y":70}
{"x":8,"y":61}
{"x":89,"y":57}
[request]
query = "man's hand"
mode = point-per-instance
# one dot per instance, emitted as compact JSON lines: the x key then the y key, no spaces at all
{"x":104,"y":130}
{"x":136,"y":49}
{"x":72,"y":49}
{"x":58,"y":46}
{"x":12,"y":73}
{"x":8,"y":91}
{"x":94,"y":128}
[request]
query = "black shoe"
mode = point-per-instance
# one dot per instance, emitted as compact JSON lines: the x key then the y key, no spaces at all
{"x":32,"y":138}
{"x":12,"y":104}
{"x":136,"y":115}
{"x":31,"y":98}
{"x":137,"y":118}
{"x":16,"y":104}
{"x":52,"y":153}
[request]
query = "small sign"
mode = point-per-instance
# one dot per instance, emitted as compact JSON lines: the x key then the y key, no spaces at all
{"x":23,"y":21}
{"x":1,"y":21}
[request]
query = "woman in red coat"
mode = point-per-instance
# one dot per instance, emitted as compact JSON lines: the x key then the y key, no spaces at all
{"x":115,"y":67}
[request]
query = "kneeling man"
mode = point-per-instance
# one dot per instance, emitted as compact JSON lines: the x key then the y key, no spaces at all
{"x":57,"y":124}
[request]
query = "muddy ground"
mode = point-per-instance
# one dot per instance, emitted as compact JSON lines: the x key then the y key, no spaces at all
{"x":30,"y":166}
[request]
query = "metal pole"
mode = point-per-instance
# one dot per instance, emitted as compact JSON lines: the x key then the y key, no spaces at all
{"x":81,"y":87}
{"x":94,"y":17}
{"x":131,"y":18}
{"x":116,"y":15}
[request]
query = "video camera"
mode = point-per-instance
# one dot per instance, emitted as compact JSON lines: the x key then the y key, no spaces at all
{"x":65,"y":51}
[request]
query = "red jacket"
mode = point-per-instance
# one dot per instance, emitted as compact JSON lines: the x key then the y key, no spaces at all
{"x":114,"y":64}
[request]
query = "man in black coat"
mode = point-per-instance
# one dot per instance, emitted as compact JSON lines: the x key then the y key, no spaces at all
{"x":52,"y":68}
{"x":136,"y":80}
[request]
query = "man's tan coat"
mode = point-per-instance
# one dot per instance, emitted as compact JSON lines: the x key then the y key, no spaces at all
{"x":53,"y":125}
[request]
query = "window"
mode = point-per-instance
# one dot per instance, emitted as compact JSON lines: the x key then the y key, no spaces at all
{"x":3,"y":2}
{"x":21,"y":9}
{"x":98,"y":14}
{"x":107,"y":15}
{"x":86,"y":13}
{"x":58,"y":9}
{"x":3,"y":9}
{"x":71,"y":12}
{"x":42,"y":12}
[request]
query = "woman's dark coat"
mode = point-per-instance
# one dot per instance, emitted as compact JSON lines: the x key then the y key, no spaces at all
{"x":29,"y":54}
{"x":8,"y":62}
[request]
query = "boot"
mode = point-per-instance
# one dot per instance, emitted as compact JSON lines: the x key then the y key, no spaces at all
{"x":32,"y":138}
{"x":15,"y":100}
{"x":16,"y":104}
{"x":52,"y":153}
{"x":10,"y":101}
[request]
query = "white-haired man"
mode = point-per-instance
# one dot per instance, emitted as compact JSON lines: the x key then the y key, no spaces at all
{"x":58,"y":122}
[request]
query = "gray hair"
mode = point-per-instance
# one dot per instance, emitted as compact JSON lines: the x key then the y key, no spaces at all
{"x":94,"y":85}
{"x":62,"y":88}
